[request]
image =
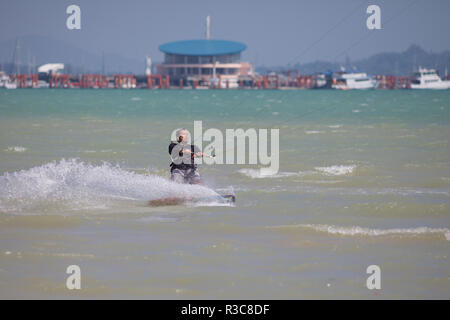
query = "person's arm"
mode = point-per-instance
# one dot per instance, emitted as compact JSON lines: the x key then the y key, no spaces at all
{"x":171,"y":146}
{"x":198,"y":152}
{"x":192,"y":150}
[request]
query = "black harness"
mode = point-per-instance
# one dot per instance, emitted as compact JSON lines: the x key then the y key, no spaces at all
{"x":184,"y":166}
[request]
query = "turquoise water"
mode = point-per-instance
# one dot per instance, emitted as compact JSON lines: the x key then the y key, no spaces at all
{"x":364,"y":179}
{"x":413,"y":107}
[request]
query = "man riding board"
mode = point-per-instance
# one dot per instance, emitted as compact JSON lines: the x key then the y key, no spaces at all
{"x":183,"y":168}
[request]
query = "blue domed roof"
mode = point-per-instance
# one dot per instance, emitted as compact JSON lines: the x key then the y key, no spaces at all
{"x":202,"y":47}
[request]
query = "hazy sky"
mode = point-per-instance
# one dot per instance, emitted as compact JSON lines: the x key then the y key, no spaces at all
{"x":276,"y":32}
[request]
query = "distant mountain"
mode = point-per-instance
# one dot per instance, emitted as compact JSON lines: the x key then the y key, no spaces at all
{"x":389,"y":63}
{"x":38,"y":50}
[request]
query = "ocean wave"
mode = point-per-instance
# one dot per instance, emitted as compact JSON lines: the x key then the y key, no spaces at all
{"x":76,"y":185}
{"x":361,"y":231}
{"x":15,"y":149}
{"x":337,"y":170}
{"x":103,"y":151}
{"x":409,"y":191}
{"x":338,"y":131}
{"x":256,"y":174}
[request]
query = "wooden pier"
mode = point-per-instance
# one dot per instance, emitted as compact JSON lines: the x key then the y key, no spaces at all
{"x":286,"y":80}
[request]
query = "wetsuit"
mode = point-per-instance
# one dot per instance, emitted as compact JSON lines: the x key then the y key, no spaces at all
{"x":183,"y":168}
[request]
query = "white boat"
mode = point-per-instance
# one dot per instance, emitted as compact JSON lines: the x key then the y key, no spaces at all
{"x":323,"y":80}
{"x":347,"y":81}
{"x":43,"y":84}
{"x":3,"y":79}
{"x":232,"y":83}
{"x":428,"y":79}
{"x":11,"y":85}
{"x":320,"y":81}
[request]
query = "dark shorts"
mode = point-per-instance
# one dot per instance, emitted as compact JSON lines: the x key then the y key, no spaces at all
{"x":190,"y":176}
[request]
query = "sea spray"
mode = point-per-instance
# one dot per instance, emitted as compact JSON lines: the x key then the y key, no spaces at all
{"x":74,"y":184}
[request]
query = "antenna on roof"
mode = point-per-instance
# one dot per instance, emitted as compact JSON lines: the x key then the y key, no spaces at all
{"x":208,"y":27}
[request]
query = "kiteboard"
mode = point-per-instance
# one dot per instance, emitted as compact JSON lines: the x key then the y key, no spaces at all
{"x":175,"y":201}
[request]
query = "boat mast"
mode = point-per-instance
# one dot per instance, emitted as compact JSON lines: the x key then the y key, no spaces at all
{"x":15,"y":61}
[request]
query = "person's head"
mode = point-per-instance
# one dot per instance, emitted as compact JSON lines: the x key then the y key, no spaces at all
{"x":182,"y":135}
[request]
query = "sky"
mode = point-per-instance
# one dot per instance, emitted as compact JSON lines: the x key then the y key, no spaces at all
{"x":276,"y":33}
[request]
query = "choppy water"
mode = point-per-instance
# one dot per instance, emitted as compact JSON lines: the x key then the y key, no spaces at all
{"x":364,"y":179}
